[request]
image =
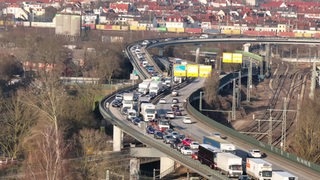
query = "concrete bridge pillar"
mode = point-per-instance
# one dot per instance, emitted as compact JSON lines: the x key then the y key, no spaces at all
{"x":134,"y":168}
{"x":166,"y":166}
{"x":197,"y":55}
{"x":161,"y":51}
{"x":246,"y":47}
{"x":117,"y":138}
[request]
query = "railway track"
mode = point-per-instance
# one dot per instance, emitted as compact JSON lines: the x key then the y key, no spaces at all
{"x":285,"y":86}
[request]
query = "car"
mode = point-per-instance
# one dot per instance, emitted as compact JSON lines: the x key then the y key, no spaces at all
{"x":177,"y":112}
{"x":119,"y":97}
{"x":175,"y":107}
{"x":170,"y":115}
{"x":175,"y":101}
{"x":175,"y":134}
{"x":175,"y":93}
{"x":150,"y":130}
{"x":220,"y":135}
{"x":187,"y":120}
{"x":158,"y":135}
{"x":244,"y":177}
{"x":168,"y":131}
{"x":194,"y":155}
{"x":186,"y":150}
{"x":254,"y":153}
{"x":162,"y":101}
{"x":181,"y":137}
{"x":136,"y":120}
{"x":186,"y":141}
{"x":194,"y":145}
{"x":116,"y":103}
{"x":174,"y":143}
{"x":167,"y":138}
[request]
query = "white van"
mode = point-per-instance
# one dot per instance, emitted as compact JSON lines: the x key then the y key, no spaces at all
{"x":145,"y":63}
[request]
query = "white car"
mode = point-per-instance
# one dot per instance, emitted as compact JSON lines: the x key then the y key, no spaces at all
{"x":254,"y":153}
{"x":187,"y":120}
{"x":194,"y":145}
{"x":162,"y":101}
{"x":170,"y":115}
{"x":186,"y":150}
{"x":119,"y":97}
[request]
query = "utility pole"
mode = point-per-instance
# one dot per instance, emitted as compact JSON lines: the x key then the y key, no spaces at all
{"x":267,"y":59}
{"x":200,"y":101}
{"x":313,"y":81}
{"x":284,"y":125}
{"x":270,"y":128}
{"x":234,"y":100}
{"x":239,"y":90}
{"x":249,"y":83}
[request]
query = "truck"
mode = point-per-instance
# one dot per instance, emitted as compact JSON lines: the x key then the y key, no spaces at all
{"x":160,"y":125}
{"x":143,"y":87}
{"x":127,"y":101}
{"x":283,"y":175}
{"x":148,"y":111}
{"x":207,"y":155}
{"x":222,"y":144}
{"x":156,"y":87}
{"x":259,"y":169}
{"x":131,"y":113}
{"x":229,"y":164}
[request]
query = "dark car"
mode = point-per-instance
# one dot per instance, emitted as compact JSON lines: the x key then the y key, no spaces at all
{"x":174,"y":143}
{"x":177,"y":112}
{"x":158,"y":135}
{"x":174,"y":107}
{"x":116,"y":103}
{"x":168,"y":131}
{"x":136,"y":120}
{"x":167,"y":139}
{"x":150,"y":130}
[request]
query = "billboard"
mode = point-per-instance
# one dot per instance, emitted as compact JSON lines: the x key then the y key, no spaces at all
{"x":236,"y":58}
{"x":179,"y":70}
{"x":192,"y":70}
{"x":232,"y":58}
{"x":205,"y":70}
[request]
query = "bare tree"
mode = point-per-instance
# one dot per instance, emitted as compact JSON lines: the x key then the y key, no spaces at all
{"x":47,"y":138}
{"x":211,"y":89}
{"x":93,"y":144}
{"x":44,"y":161}
{"x":16,"y":123}
{"x":307,"y":137}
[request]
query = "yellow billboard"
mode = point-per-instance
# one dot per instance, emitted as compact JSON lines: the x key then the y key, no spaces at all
{"x":179,"y":70}
{"x":192,"y":70}
{"x":205,"y":70}
{"x":232,"y":58}
{"x":227,"y":57}
{"x":236,"y":58}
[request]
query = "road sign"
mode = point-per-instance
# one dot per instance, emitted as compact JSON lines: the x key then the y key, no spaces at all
{"x":179,"y":70}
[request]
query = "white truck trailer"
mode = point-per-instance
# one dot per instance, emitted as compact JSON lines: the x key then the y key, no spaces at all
{"x":143,"y":87}
{"x":259,"y":169}
{"x":222,"y":144}
{"x":283,"y":175}
{"x":127,"y":101}
{"x":155,"y":87}
{"x":229,"y":164}
{"x":148,"y":111}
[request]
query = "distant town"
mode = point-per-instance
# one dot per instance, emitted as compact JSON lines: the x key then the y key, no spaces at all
{"x":234,"y":17}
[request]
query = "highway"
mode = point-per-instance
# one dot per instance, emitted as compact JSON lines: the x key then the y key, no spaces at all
{"x":198,"y":129}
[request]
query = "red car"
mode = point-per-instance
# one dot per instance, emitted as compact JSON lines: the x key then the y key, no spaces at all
{"x":186,"y":141}
{"x":194,"y":155}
